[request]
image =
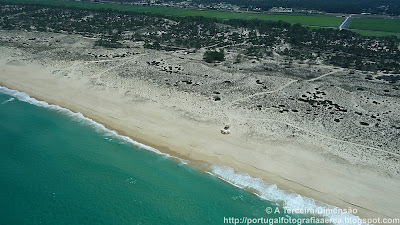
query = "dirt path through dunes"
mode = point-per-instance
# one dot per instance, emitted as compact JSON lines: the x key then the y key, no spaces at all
{"x":98,"y":75}
{"x":263,"y":93}
{"x":281,"y":87}
{"x":324,"y":75}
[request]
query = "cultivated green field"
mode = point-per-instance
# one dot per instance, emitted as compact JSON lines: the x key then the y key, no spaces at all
{"x":322,"y":21}
{"x":376,"y":33}
{"x":376,"y":24}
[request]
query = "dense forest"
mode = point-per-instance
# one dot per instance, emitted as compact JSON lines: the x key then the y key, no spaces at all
{"x":391,"y":7}
{"x":254,"y":38}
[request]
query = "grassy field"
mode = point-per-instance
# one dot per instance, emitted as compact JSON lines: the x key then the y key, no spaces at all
{"x":370,"y":33}
{"x":376,"y":33}
{"x":322,"y":21}
{"x":376,"y":24}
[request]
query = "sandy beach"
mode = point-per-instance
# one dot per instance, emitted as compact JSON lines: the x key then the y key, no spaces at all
{"x":186,"y":124}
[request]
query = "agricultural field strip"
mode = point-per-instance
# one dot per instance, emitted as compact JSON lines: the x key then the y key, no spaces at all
{"x":376,"y":24}
{"x":320,"y":21}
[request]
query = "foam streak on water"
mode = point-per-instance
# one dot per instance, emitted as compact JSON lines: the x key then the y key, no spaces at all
{"x":265,"y":190}
{"x":9,"y":100}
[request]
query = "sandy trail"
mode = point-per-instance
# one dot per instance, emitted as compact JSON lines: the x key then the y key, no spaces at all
{"x":264,"y":93}
{"x":98,"y":75}
{"x":324,"y":75}
{"x":281,"y":87}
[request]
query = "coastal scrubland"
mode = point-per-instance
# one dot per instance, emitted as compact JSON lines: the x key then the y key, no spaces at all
{"x":256,"y":38}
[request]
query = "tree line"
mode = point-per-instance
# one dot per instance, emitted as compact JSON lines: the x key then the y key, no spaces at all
{"x":254,"y":38}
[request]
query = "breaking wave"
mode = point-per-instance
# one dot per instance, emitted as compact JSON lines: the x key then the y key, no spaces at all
{"x":289,"y":200}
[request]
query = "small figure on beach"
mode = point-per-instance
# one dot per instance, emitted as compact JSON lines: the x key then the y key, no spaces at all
{"x":226,"y":130}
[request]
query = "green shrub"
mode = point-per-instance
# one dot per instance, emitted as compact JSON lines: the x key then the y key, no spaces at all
{"x":212,"y":56}
{"x":108,"y":43}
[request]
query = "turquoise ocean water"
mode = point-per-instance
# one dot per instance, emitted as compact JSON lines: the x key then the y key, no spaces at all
{"x":57,"y":167}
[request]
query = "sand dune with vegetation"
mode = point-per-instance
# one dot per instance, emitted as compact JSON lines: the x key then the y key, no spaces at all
{"x":325,"y":132}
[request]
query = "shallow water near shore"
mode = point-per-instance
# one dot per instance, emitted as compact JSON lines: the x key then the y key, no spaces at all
{"x":58,"y":167}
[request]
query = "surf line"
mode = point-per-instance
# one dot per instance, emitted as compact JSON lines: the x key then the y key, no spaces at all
{"x":265,"y":191}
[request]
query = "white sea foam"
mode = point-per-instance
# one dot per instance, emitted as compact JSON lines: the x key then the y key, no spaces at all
{"x":288,"y":200}
{"x":9,"y":100}
{"x":264,"y":190}
{"x":82,"y":119}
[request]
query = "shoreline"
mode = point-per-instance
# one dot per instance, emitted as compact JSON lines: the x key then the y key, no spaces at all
{"x":197,"y":164}
{"x":79,"y":96}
